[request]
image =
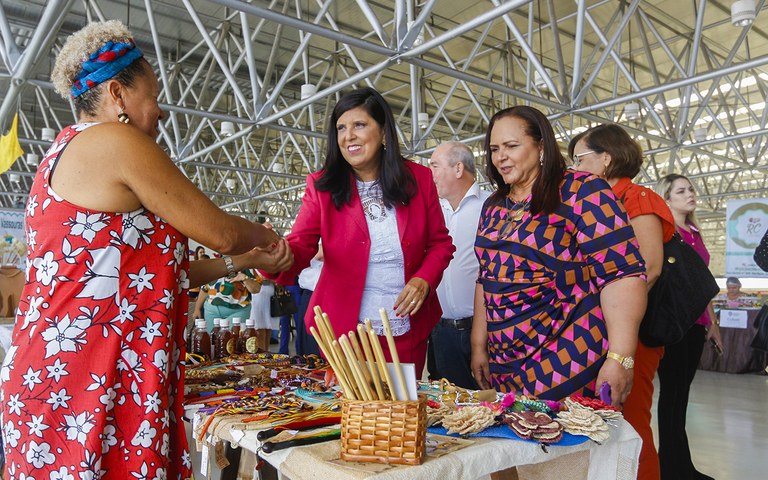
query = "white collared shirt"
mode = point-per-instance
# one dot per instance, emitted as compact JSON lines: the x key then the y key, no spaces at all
{"x":457,"y":289}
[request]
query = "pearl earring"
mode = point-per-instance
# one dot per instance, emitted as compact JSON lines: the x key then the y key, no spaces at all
{"x":122,"y":117}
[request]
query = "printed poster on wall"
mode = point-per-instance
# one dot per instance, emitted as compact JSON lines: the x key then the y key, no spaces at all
{"x":746,"y":222}
{"x":13,"y":250}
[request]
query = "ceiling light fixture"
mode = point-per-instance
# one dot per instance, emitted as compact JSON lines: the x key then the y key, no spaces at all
{"x":48,"y":134}
{"x":632,"y":111}
{"x":227,"y":129}
{"x":700,"y":134}
{"x":539,"y":81}
{"x":307,"y":90}
{"x":32,"y":159}
{"x":423,"y":120}
{"x":419,"y":40}
{"x":743,"y":13}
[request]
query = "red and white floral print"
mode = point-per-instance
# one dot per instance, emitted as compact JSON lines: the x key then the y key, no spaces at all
{"x":91,"y":386}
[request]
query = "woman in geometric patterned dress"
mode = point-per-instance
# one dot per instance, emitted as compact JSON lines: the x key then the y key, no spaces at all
{"x":560,"y":271}
{"x":92,"y":383}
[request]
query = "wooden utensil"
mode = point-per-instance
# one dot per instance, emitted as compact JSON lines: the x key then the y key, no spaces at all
{"x":371,"y":360}
{"x":380,"y":360}
{"x":354,"y":365}
{"x":345,"y":387}
{"x":347,"y":369}
{"x":393,"y":353}
{"x":323,"y":327}
{"x":359,"y":354}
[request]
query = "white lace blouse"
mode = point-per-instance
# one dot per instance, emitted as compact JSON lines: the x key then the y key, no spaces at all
{"x":386,"y":270}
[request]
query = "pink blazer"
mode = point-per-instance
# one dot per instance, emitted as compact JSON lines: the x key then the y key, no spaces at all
{"x":427,"y":250}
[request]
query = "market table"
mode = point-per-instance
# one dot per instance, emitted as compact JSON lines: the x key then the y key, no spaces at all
{"x":481,"y":457}
{"x":738,"y":356}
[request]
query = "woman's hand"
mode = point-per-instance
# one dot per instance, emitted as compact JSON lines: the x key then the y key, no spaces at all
{"x":240,"y":277}
{"x":713,"y":333}
{"x":199,"y":309}
{"x":479,"y":361}
{"x":619,"y":378}
{"x":412,"y":297}
{"x":275,"y":260}
{"x":480,"y":370}
{"x":623,"y":304}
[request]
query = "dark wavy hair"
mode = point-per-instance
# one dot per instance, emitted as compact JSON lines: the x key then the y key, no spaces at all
{"x":545,"y":194}
{"x":397,"y":182}
{"x":626,"y":154}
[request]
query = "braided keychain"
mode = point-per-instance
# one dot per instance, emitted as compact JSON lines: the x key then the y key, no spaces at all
{"x":275,"y":406}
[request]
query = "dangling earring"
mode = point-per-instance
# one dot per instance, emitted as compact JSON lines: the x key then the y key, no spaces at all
{"x":122,"y":117}
{"x":541,"y":159}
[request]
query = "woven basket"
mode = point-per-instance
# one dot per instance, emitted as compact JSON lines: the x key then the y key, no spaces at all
{"x":384,"y":431}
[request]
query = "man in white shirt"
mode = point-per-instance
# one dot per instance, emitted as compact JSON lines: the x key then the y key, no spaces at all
{"x":453,"y":170}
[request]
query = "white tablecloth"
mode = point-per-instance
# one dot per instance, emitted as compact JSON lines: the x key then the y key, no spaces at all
{"x":614,"y":459}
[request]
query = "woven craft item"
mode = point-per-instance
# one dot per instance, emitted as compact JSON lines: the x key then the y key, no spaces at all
{"x":384,"y":431}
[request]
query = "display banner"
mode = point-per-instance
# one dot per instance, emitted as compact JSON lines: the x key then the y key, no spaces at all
{"x":13,"y":249}
{"x":746,"y":221}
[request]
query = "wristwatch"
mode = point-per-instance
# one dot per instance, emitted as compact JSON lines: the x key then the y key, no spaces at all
{"x":231,"y":272}
{"x":627,"y":362}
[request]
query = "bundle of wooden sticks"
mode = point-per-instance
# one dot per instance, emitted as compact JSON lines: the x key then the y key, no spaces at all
{"x":362,"y":372}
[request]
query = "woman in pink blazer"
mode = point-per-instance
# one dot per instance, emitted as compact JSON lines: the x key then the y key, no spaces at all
{"x":381,"y":227}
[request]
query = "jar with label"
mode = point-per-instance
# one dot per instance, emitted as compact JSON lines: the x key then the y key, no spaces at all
{"x":226,"y":342}
{"x":201,"y":340}
{"x":215,"y":337}
{"x":236,"y":328}
{"x":248,"y":340}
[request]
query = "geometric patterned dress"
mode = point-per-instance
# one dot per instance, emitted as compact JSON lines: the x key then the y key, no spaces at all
{"x":92,"y":383}
{"x":542,"y":280}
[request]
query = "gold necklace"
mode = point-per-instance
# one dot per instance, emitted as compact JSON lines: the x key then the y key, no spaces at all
{"x":516,"y":213}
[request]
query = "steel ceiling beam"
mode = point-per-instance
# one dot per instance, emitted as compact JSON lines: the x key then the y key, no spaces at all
{"x":50,"y":21}
{"x":474,"y":60}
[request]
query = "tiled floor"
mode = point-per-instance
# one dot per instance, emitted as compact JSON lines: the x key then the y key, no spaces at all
{"x":728,"y":425}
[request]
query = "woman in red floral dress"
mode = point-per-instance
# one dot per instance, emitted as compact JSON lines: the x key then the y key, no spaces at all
{"x":92,"y":384}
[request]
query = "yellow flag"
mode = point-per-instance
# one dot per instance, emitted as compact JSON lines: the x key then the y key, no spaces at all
{"x":10,"y":149}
